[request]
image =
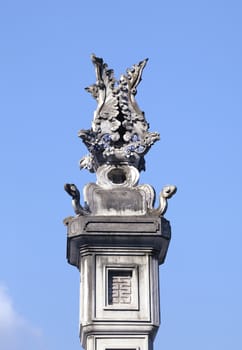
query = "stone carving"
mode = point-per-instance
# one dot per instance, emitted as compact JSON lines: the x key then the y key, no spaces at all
{"x":120,"y":288}
{"x":73,"y":191}
{"x":121,"y":293}
{"x":117,"y":141}
{"x":119,"y":132}
{"x":167,"y":192}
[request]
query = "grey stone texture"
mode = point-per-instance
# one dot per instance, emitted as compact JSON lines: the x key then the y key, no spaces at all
{"x":119,"y":132}
{"x":118,"y":259}
{"x":118,"y":239}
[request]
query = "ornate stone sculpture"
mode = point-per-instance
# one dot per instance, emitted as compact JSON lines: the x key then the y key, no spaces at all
{"x":118,"y":239}
{"x":117,"y":141}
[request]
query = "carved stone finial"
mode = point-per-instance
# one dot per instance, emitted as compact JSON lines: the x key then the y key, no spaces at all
{"x":119,"y":133}
{"x":117,"y":141}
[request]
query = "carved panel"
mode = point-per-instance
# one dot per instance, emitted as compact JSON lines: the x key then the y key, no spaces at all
{"x":118,"y":293}
{"x":121,"y":292}
{"x":119,"y":287}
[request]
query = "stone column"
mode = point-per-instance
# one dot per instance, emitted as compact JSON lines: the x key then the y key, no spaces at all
{"x":118,"y":259}
{"x":117,"y":238}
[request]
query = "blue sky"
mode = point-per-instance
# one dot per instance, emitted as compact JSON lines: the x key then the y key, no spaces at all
{"x":191,"y":93}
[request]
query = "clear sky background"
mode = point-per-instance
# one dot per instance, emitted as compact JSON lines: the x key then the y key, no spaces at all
{"x":191,"y":93}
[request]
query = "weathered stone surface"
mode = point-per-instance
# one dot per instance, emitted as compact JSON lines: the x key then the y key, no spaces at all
{"x":118,"y":258}
{"x":142,"y":232}
{"x":128,"y":342}
{"x":118,"y":238}
{"x":99,"y":314}
{"x":108,"y":198}
{"x":118,"y":201}
{"x":119,"y":132}
{"x":117,"y":141}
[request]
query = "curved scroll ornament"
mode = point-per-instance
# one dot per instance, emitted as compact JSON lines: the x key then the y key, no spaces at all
{"x":73,"y":191}
{"x":166,"y":193}
{"x":119,"y":133}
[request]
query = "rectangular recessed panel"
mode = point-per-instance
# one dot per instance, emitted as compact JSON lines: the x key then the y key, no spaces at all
{"x":119,"y":287}
{"x":122,"y":343}
{"x":122,"y":289}
{"x":134,"y":227}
